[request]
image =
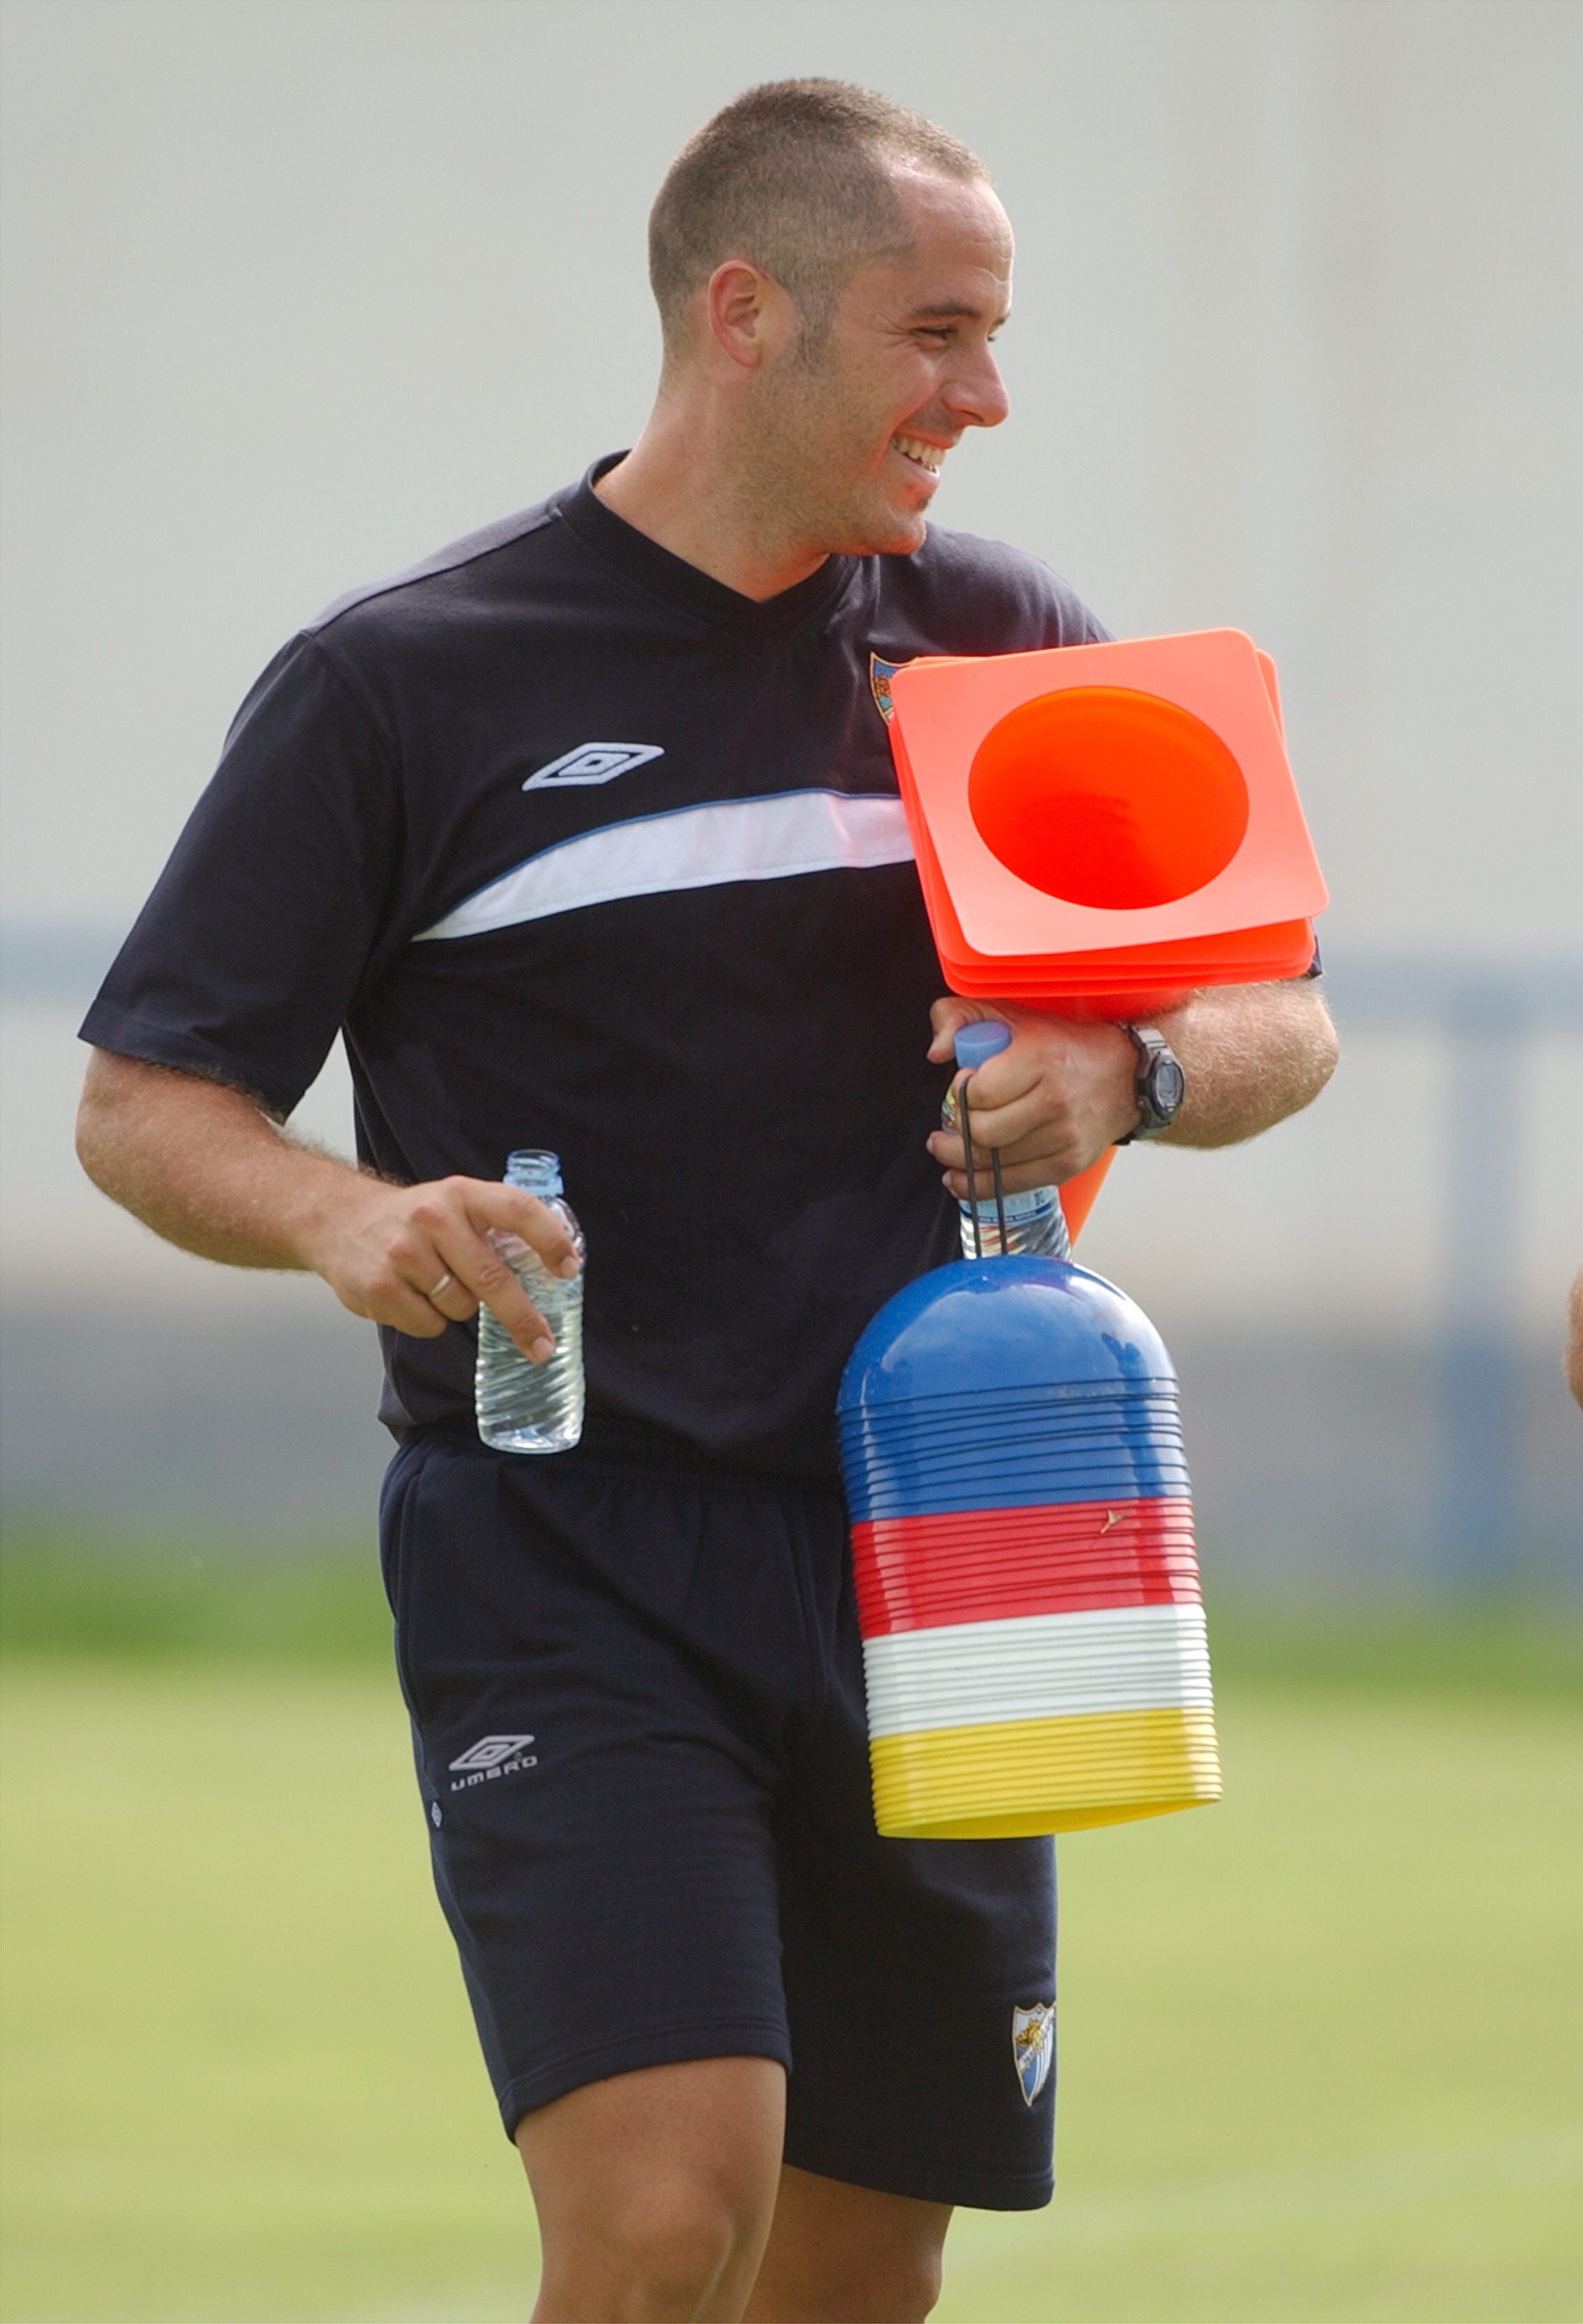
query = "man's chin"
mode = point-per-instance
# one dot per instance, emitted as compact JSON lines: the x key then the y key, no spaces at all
{"x":884,"y":532}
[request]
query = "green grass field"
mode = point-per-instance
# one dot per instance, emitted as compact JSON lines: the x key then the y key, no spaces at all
{"x":1320,"y":2053}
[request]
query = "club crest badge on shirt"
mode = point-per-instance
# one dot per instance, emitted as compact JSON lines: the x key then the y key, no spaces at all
{"x":880,"y":674}
{"x":1033,"y":2047}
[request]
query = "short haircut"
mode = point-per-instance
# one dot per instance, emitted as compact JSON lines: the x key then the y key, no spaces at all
{"x":794,"y":176}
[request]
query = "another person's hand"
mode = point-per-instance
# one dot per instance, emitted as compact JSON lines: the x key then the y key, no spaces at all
{"x":1574,"y":1357}
{"x":418,"y":1257}
{"x":1051,"y":1103}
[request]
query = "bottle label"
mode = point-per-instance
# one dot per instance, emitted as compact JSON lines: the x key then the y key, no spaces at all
{"x":1036,"y":1204}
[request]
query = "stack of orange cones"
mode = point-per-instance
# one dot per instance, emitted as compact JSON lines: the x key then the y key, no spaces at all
{"x":1100,"y":829}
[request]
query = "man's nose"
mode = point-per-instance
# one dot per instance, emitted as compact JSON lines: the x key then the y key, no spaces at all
{"x":976,"y":396}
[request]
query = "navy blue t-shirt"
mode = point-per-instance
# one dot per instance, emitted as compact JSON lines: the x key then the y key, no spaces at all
{"x":582,"y":849}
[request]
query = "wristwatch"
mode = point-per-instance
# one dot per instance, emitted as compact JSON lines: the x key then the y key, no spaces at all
{"x":1160,"y":1085}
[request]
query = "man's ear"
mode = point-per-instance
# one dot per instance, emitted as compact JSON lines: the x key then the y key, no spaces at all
{"x":750,"y":314}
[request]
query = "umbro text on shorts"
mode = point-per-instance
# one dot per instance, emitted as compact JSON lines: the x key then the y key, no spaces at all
{"x":636,"y":1686}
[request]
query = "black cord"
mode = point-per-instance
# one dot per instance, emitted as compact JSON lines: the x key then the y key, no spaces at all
{"x":967,"y":1140}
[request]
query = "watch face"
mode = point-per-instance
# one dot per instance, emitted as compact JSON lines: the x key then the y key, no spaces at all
{"x":1170,"y":1085}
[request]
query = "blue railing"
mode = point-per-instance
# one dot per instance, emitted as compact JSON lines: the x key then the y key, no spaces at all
{"x":1486,"y":1013}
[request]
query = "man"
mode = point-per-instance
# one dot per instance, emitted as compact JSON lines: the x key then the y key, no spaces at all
{"x":694,"y":962}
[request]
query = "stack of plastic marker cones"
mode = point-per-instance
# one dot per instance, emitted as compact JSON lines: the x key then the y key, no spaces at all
{"x":1022,"y":1538}
{"x":1099,"y":829}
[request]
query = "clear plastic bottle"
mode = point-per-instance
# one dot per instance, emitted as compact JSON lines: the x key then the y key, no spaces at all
{"x":522,"y":1406}
{"x":1036,"y":1223}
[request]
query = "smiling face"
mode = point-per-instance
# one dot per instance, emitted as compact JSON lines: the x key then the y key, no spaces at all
{"x":849,"y":434}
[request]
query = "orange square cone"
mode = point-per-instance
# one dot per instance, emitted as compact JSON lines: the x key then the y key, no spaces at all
{"x":1100,"y":829}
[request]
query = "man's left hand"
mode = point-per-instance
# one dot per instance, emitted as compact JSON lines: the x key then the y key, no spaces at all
{"x":1253,"y":1053}
{"x":1051,"y":1103}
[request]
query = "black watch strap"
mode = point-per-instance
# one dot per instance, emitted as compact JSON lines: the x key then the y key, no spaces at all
{"x":1160,"y":1085}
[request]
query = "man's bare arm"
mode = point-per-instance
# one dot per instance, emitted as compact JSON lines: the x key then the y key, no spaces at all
{"x":1063,"y":1091}
{"x":1573,"y":1363}
{"x":1252,"y":1054}
{"x":208,"y":1170}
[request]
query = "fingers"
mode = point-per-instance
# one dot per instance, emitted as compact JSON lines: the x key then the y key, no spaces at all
{"x":1044,"y":1159}
{"x":450,"y":1297}
{"x":950,"y":1014}
{"x":399,"y":1306}
{"x":495,"y":1286}
{"x":462,"y":1221}
{"x":1030,"y":1129}
{"x":1014,"y":1124}
{"x":1056,"y":1151}
{"x":422,"y":1256}
{"x":1015,"y":1178}
{"x":514,"y":1211}
{"x":1043,"y":1139}
{"x":948,"y":1017}
{"x":1049,"y":1104}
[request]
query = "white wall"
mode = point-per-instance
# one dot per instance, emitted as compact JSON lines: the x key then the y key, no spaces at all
{"x":298,"y":291}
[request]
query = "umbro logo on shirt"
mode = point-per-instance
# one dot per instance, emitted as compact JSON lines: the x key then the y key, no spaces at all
{"x":491,"y":1751}
{"x":594,"y":763}
{"x":492,"y":1757}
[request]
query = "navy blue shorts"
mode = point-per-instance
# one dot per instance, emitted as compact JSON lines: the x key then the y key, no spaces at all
{"x":636,"y":1692}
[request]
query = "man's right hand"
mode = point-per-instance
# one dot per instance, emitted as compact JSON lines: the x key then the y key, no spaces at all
{"x":207,"y":1168}
{"x":418,"y":1257}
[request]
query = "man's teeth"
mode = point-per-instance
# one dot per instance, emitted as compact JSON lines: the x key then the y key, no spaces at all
{"x":927,"y":455}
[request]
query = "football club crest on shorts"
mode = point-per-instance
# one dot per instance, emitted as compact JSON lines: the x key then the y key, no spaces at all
{"x":1033,"y":2047}
{"x":880,"y":674}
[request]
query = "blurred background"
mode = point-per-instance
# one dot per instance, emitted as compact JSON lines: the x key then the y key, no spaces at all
{"x":297,"y":290}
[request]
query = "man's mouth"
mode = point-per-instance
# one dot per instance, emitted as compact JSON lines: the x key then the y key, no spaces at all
{"x":927,"y":457}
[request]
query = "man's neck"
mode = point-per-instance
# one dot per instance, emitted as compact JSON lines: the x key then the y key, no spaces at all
{"x":678,"y":485}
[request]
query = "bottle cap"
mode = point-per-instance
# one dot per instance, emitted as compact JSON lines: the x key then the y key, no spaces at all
{"x":535,"y":1170}
{"x":977,"y":1044}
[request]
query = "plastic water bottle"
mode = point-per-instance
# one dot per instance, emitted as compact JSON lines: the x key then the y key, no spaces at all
{"x":522,"y":1406}
{"x":1036,"y":1223}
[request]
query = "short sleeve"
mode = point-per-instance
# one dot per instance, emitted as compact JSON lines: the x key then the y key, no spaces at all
{"x":1067,"y":619}
{"x":261,"y":932}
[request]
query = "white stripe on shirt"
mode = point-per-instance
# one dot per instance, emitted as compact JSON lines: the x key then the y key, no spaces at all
{"x":690,"y":847}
